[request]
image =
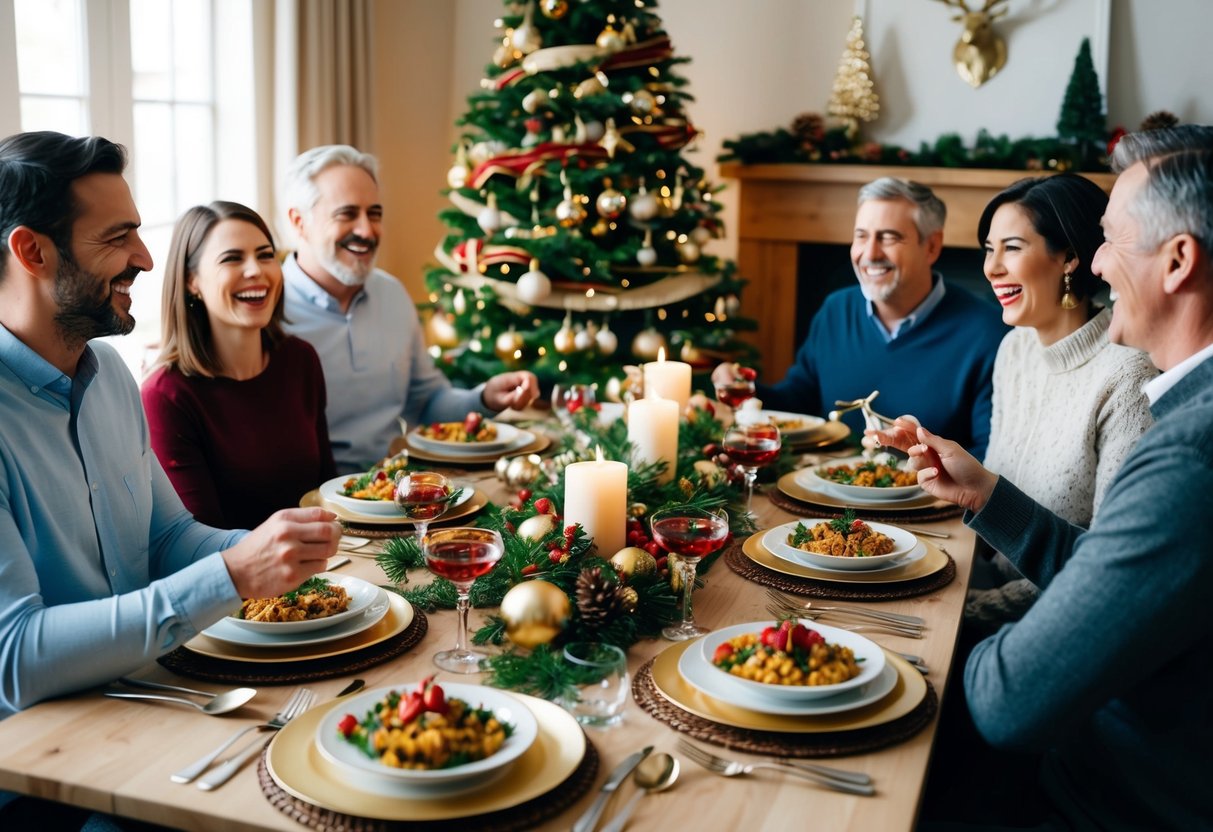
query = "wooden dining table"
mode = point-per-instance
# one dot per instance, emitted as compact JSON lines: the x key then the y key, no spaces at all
{"x":115,"y":756}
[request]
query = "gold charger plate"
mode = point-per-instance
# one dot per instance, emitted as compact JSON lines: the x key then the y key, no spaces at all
{"x":928,"y":564}
{"x":477,"y":501}
{"x":907,"y":693}
{"x":788,"y":485}
{"x":398,"y":618}
{"x":540,"y":443}
{"x":822,"y":436}
{"x":300,"y":770}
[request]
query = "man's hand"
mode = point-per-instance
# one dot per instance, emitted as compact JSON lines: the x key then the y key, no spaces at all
{"x":945,"y":469}
{"x":510,"y":390}
{"x":283,"y":552}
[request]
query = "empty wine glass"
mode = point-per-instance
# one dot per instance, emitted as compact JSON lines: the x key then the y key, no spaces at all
{"x":752,"y":446}
{"x":690,"y":533}
{"x":461,"y":555}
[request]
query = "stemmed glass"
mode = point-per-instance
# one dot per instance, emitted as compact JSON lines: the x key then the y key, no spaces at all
{"x":422,"y":496}
{"x":690,"y":533}
{"x":752,"y":446}
{"x":734,"y":392}
{"x":461,"y":555}
{"x":567,"y":399}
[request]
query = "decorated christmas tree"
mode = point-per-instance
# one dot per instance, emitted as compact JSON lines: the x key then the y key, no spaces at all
{"x":1082,"y":119}
{"x":577,"y":227}
{"x":853,"y":99}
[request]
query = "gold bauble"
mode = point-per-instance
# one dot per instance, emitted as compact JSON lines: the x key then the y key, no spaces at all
{"x":646,"y":344}
{"x":629,"y":599}
{"x":610,"y":39}
{"x":565,"y":340}
{"x":637,"y":510}
{"x":570,"y":212}
{"x":536,"y":528}
{"x":500,"y":466}
{"x":610,"y":203}
{"x":534,"y":612}
{"x":441,"y":331}
{"x":507,"y":344}
{"x":554,"y":9}
{"x":522,"y":470}
{"x":690,"y":353}
{"x":688,"y":252}
{"x":634,"y":561}
{"x":642,"y":102}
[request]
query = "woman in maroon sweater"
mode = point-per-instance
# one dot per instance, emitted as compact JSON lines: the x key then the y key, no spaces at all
{"x":235,"y":406}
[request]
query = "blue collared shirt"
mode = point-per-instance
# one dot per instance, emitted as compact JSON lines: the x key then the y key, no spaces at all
{"x":376,"y":367}
{"x":101,"y":567}
{"x":919,"y":314}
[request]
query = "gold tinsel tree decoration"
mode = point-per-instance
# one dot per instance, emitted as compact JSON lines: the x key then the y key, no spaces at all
{"x":853,"y":99}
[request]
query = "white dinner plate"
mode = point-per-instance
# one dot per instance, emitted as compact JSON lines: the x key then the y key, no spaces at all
{"x":716,"y":683}
{"x":364,"y":772}
{"x":913,"y":556}
{"x":362,"y":594}
{"x":776,"y":541}
{"x":507,"y":435}
{"x":857,"y":493}
{"x":376,"y":509}
{"x":868,"y":656}
{"x":792,"y":435}
{"x":227,"y":631}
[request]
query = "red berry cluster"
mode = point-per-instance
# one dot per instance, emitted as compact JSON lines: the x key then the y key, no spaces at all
{"x":559,"y":552}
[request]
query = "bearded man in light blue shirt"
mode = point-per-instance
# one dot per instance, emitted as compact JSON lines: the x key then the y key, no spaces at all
{"x":101,"y":567}
{"x":360,"y":319}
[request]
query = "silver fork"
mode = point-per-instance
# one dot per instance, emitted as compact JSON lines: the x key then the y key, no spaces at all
{"x":853,"y":783}
{"x":859,"y":612}
{"x":859,"y":627}
{"x":299,"y":702}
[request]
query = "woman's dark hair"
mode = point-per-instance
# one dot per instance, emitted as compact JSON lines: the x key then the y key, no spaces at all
{"x":185,"y":329}
{"x":36,"y":175}
{"x":1065,"y":210}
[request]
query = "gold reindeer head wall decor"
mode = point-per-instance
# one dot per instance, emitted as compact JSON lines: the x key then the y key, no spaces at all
{"x":980,"y":52}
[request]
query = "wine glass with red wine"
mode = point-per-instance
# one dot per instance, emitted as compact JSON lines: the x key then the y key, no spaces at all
{"x":752,"y":446}
{"x":735,"y":392}
{"x":423,"y":496}
{"x":691,"y":533}
{"x":461,"y":555}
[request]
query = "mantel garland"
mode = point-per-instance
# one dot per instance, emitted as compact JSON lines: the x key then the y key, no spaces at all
{"x":561,"y":556}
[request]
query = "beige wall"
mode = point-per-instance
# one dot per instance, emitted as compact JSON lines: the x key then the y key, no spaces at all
{"x":756,"y":64}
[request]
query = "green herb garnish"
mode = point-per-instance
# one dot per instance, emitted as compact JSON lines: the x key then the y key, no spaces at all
{"x":310,"y":585}
{"x":843,"y":524}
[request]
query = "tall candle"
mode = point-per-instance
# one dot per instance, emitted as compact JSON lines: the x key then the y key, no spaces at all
{"x":668,"y":380}
{"x":596,"y":496}
{"x":653,"y":431}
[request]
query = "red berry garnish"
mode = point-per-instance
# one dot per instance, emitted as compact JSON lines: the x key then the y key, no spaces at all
{"x":555,"y":555}
{"x":543,"y":505}
{"x":524,"y":494}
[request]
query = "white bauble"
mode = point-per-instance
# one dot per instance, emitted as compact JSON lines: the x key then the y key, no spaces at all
{"x":536,"y":528}
{"x":606,"y":341}
{"x":688,"y":252}
{"x":489,"y":218}
{"x":646,"y":256}
{"x":583,"y":340}
{"x":534,"y":286}
{"x":701,"y":236}
{"x":643,"y":207}
{"x":594,"y":131}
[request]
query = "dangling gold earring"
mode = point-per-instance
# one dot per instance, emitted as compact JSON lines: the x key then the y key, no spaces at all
{"x":1068,"y":301}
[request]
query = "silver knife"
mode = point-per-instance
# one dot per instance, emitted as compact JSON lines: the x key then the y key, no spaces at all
{"x":590,"y":819}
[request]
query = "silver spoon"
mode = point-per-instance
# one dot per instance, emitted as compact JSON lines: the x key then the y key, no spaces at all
{"x":656,"y":773}
{"x":221,"y":704}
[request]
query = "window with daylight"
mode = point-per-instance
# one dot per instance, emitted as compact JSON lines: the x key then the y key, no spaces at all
{"x":153,"y":76}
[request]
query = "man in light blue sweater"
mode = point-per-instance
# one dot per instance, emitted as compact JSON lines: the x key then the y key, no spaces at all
{"x":1109,"y":674}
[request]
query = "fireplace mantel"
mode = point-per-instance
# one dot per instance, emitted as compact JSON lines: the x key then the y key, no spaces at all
{"x":782,"y":206}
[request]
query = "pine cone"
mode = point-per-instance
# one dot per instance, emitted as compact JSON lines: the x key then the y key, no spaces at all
{"x":1162,"y":118}
{"x":809,"y":128}
{"x":598,"y":599}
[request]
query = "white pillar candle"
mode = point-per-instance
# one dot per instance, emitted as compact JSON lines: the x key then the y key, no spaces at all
{"x":596,"y":497}
{"x":668,"y":380}
{"x":653,"y":432}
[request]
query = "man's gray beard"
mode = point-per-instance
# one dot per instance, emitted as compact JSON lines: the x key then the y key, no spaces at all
{"x":82,"y":316}
{"x":880,"y":295}
{"x":343,"y":273}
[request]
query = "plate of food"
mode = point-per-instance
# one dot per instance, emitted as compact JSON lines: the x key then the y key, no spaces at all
{"x":421,"y":738}
{"x":865,"y":480}
{"x":702,"y":674}
{"x":322,"y":601}
{"x":792,"y":660}
{"x":794,"y":427}
{"x":374,"y":494}
{"x":474,"y":435}
{"x":228,"y":632}
{"x":844,"y":543}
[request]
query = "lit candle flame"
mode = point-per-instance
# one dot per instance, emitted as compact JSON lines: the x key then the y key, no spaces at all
{"x":598,"y":451}
{"x":661,"y":353}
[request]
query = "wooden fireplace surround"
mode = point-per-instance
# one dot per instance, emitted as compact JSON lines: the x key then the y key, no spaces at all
{"x":782,"y":206}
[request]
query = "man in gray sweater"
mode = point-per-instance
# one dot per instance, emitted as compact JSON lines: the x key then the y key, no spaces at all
{"x":1110,"y":674}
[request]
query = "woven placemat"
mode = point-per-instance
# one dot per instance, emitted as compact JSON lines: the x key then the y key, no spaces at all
{"x":806,"y":509}
{"x":746,"y":568}
{"x":523,"y":816}
{"x":208,"y":668}
{"x":774,"y":743}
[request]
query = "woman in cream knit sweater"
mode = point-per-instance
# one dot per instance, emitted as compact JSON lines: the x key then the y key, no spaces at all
{"x":1068,"y":405}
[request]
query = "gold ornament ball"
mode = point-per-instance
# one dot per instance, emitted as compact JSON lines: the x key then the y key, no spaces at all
{"x":610,"y":39}
{"x":506,"y":345}
{"x":554,"y":9}
{"x":630,"y":599}
{"x":642,"y":102}
{"x":646,"y":344}
{"x":500,"y":466}
{"x":634,"y":561}
{"x":536,"y":528}
{"x":534,"y":612}
{"x":565,"y":341}
{"x":441,"y":331}
{"x":570,"y":212}
{"x":610,"y":203}
{"x":522,"y":470}
{"x":690,"y":353}
{"x":688,"y":252}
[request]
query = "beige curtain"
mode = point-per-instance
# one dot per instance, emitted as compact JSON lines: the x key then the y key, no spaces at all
{"x":334,"y":73}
